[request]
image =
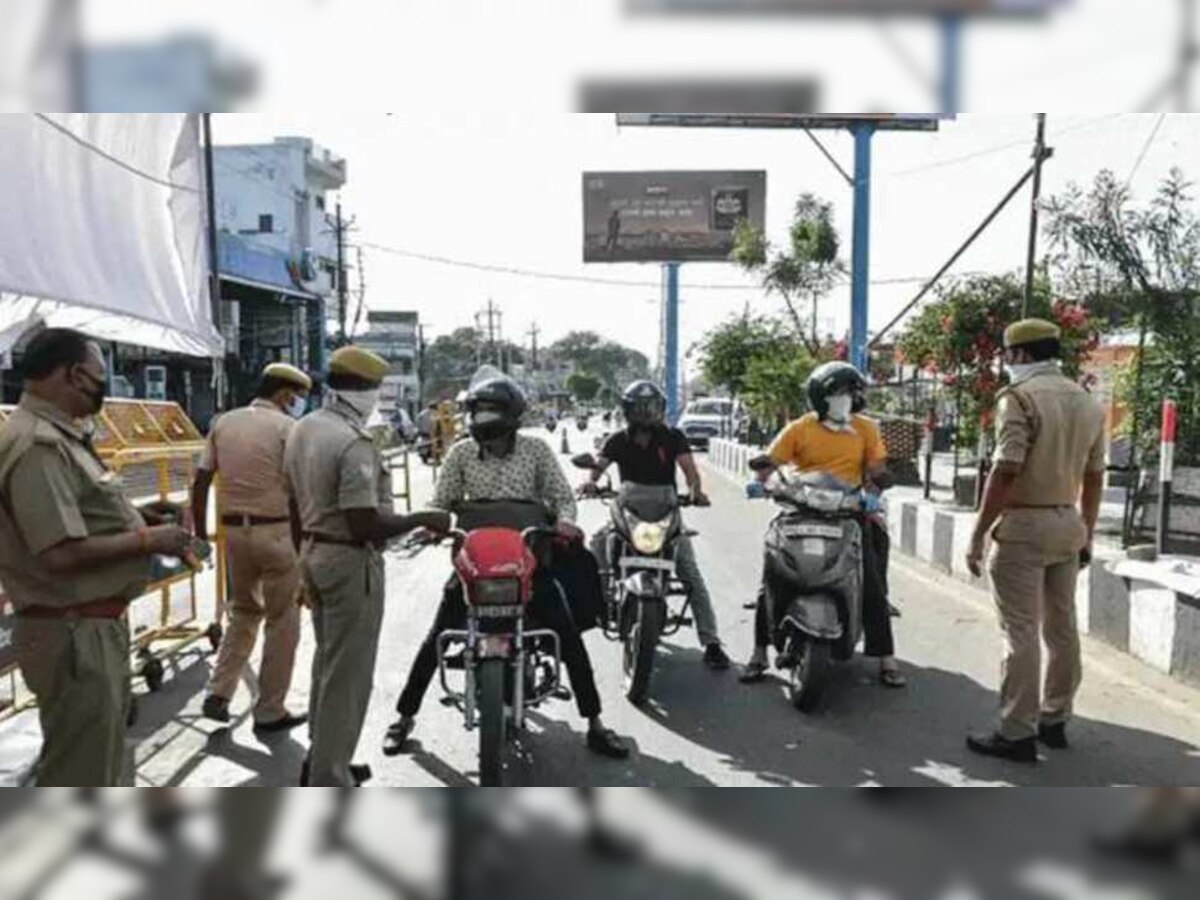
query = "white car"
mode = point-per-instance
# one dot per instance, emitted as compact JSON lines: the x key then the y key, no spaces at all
{"x":707,"y":418}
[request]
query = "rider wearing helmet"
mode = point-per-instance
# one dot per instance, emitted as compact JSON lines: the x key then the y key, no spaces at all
{"x":647,"y":452}
{"x":498,"y":463}
{"x":836,"y":439}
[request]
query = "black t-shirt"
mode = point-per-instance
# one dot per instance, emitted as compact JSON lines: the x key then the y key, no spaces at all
{"x":652,"y":464}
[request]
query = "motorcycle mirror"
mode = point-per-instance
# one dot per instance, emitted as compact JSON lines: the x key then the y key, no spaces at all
{"x":583,"y":461}
{"x":761,"y":462}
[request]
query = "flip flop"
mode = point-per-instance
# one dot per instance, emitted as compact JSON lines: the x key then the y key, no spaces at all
{"x":753,"y":673}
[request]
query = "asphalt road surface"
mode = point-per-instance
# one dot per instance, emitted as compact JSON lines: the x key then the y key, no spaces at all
{"x":703,"y":728}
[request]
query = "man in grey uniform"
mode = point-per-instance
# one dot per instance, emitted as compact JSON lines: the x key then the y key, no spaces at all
{"x":343,"y":493}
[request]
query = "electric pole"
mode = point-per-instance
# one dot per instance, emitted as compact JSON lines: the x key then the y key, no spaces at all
{"x":341,"y":274}
{"x":492,"y":314}
{"x":1041,"y":153}
{"x":534,"y":331}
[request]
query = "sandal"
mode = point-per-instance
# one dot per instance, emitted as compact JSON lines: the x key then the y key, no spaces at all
{"x":397,"y":735}
{"x":753,"y":672}
{"x":892,"y":678}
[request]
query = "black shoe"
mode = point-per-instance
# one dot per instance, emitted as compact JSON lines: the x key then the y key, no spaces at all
{"x":398,"y":733}
{"x":360,"y":773}
{"x":287,"y":723}
{"x":716,"y":658}
{"x":1000,"y":747}
{"x":215,"y":708}
{"x":604,"y":741}
{"x":1054,"y":736}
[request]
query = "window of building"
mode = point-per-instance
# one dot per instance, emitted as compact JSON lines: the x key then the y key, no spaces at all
{"x":266,"y":224}
{"x":406,"y":366}
{"x":320,"y":202}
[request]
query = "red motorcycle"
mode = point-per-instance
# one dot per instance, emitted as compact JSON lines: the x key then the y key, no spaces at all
{"x":509,"y":665}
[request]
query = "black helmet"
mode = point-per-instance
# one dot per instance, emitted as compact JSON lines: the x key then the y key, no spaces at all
{"x":644,"y":403}
{"x":494,"y":408}
{"x":835,"y":378}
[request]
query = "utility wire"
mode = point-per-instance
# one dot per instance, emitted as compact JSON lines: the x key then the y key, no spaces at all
{"x":115,"y":160}
{"x":1146,"y":148}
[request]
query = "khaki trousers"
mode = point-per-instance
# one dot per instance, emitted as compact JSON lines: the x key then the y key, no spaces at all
{"x":265,"y":573}
{"x":1034,"y":568}
{"x":78,"y":669}
{"x":345,"y":588}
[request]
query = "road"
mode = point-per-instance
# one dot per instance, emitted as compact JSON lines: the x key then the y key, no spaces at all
{"x":703,"y":728}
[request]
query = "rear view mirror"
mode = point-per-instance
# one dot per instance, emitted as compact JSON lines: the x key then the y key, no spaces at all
{"x":761,"y":463}
{"x":584,"y":461}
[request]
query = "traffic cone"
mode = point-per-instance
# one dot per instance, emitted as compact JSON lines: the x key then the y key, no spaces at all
{"x":566,"y":446}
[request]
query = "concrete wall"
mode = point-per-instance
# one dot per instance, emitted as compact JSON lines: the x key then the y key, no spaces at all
{"x":1141,"y":617}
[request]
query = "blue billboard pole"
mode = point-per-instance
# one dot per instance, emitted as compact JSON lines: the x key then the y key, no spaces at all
{"x":671,"y":350}
{"x":951,"y":27}
{"x":861,"y":252}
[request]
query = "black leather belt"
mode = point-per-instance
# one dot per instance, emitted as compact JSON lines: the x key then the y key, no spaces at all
{"x":340,"y":542}
{"x":238,"y":521}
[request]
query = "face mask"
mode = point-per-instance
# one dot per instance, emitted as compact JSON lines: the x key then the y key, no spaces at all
{"x":840,"y":407}
{"x":297,"y":407}
{"x":1019,"y":372}
{"x":362,"y":402}
{"x":94,"y":394}
{"x":488,"y":425}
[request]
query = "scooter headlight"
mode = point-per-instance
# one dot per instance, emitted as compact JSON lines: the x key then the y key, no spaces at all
{"x":649,"y":537}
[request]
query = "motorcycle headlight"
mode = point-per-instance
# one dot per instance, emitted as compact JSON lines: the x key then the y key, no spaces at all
{"x":649,"y":537}
{"x":497,"y":592}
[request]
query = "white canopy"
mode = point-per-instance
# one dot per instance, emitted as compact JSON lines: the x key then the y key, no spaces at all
{"x":102,"y":228}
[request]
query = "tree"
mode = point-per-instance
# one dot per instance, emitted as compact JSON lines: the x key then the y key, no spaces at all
{"x":725,"y":352}
{"x":610,"y":362}
{"x":774,"y":383}
{"x":1141,"y":268}
{"x":806,"y":271}
{"x":449,"y":362}
{"x":960,"y":337}
{"x":585,"y":387}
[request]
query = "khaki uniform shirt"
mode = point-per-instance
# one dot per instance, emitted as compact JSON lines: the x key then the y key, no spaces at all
{"x":245,"y":447}
{"x":332,"y":465}
{"x":54,"y":488}
{"x":1053,"y":431}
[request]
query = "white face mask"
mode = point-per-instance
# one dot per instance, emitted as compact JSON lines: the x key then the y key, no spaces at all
{"x":297,"y":406}
{"x":840,"y":407}
{"x":362,"y":402}
{"x":1019,"y":372}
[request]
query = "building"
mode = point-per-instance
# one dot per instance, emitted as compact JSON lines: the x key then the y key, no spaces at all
{"x":277,"y":249}
{"x":396,"y":337}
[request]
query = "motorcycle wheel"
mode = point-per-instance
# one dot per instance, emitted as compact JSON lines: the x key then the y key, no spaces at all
{"x":491,"y":722}
{"x":806,"y":684}
{"x":641,"y":642}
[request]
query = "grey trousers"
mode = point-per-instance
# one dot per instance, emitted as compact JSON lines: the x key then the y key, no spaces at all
{"x":688,"y":570}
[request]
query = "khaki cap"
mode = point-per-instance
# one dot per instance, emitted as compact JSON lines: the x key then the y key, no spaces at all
{"x":358,"y":362}
{"x":1030,"y":331}
{"x":288,"y":373}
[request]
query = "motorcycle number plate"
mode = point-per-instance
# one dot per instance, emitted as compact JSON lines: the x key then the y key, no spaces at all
{"x":494,"y":645}
{"x":497,"y":612}
{"x":809,"y":530}
{"x":812,"y":547}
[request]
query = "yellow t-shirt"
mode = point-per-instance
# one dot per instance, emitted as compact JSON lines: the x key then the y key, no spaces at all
{"x":811,"y":447}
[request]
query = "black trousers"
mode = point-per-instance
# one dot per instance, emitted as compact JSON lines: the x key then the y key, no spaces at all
{"x":877,"y":616}
{"x":547,"y":609}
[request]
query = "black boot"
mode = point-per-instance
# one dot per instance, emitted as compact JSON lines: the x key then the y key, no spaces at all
{"x":1054,"y":736}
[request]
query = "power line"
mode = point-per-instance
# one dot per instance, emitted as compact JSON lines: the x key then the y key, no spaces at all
{"x":589,"y":279}
{"x":115,"y":160}
{"x":1146,"y":147}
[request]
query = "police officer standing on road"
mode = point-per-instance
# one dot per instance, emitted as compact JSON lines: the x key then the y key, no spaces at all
{"x":245,"y":449}
{"x":343,"y":493}
{"x":73,"y":553}
{"x":1044,"y":490}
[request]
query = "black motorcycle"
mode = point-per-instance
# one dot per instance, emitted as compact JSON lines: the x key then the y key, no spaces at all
{"x":637,"y":559}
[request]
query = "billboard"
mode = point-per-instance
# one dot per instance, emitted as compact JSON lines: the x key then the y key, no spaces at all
{"x":668,"y":216}
{"x":781,"y":96}
{"x":822,"y":121}
{"x":850,"y":7}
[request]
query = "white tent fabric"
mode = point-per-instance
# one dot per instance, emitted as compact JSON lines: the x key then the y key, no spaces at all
{"x":102,"y":228}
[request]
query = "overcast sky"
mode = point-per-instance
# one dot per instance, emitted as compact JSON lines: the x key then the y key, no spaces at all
{"x":505,"y":190}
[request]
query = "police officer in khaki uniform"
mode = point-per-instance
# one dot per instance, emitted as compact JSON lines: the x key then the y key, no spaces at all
{"x":1044,"y":492}
{"x":245,"y":453}
{"x":73,"y":553}
{"x":343,"y":492}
